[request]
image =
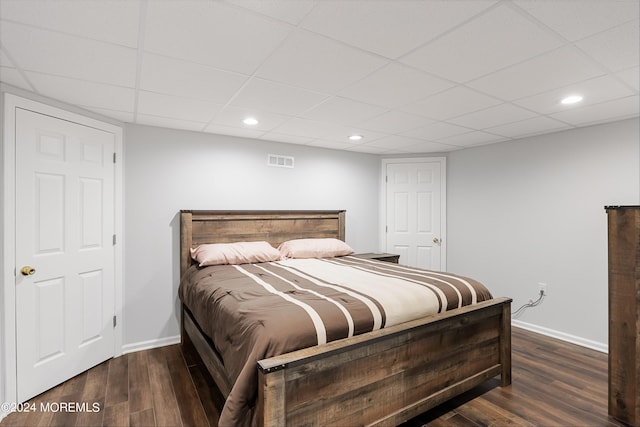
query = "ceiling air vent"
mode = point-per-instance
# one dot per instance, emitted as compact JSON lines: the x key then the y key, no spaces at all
{"x":279,"y":161}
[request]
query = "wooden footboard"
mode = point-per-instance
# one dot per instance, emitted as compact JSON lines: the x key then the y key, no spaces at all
{"x":388,"y":376}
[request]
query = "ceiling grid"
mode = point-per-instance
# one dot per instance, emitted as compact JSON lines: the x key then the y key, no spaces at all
{"x":407,"y":76}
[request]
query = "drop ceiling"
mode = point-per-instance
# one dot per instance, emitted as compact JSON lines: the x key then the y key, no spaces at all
{"x":408,"y":76}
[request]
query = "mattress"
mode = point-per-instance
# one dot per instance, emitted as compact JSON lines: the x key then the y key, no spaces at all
{"x":256,"y":311}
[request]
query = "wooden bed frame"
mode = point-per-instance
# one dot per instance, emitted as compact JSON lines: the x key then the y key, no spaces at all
{"x":383,"y":377}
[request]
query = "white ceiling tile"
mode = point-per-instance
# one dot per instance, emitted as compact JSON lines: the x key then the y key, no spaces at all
{"x":181,"y":78}
{"x":342,"y":110}
{"x":593,"y":91}
{"x":4,"y":60}
{"x":535,"y":125}
{"x":325,"y":131}
{"x":233,"y":116}
{"x":112,"y":21}
{"x":631,"y":77}
{"x":84,"y":93}
{"x":185,"y":109}
{"x":451,"y":103}
{"x":333,"y":145}
{"x":211,"y":33}
{"x":122,"y":116}
{"x":576,"y":19}
{"x":13,"y":77}
{"x":171,"y":123}
{"x":496,"y":39}
{"x":394,"y":141}
{"x":288,"y":11}
{"x":472,"y":138}
{"x":546,"y":72}
{"x":312,"y":61}
{"x":394,"y":121}
{"x":342,"y":134}
{"x":431,"y":147}
{"x":69,"y":56}
{"x":264,"y":95}
{"x":493,"y":116}
{"x":606,"y":111}
{"x":390,"y":29}
{"x":305,"y":128}
{"x":395,"y":85}
{"x":617,"y":49}
{"x":364,"y":148}
{"x":233,"y":131}
{"x":283,"y":137}
{"x":397,"y":151}
{"x":436,"y":130}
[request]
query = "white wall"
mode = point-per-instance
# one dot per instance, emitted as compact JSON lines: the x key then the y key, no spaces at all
{"x":532,"y":211}
{"x":168,"y":170}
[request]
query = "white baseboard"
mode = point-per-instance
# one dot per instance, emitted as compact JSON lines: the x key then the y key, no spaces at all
{"x":594,"y":345}
{"x":145,"y":345}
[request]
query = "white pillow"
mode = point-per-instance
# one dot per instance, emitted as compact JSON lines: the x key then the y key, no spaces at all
{"x":234,"y":253}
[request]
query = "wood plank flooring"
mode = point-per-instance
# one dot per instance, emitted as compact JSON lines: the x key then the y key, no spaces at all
{"x":554,"y":384}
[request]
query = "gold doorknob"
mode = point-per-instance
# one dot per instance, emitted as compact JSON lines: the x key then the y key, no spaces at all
{"x":27,"y":270}
{"x":436,"y":240}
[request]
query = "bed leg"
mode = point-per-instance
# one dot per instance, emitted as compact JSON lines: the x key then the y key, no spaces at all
{"x":505,"y":345}
{"x":271,"y":395}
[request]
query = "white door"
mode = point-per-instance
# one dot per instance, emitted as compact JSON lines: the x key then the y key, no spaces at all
{"x":414,"y":213}
{"x":64,"y":250}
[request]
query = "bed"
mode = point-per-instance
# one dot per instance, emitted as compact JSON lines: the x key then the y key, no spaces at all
{"x":383,"y":377}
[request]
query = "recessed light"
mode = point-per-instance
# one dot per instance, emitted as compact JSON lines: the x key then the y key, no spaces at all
{"x":355,"y":137}
{"x":572,"y":99}
{"x":250,"y":121}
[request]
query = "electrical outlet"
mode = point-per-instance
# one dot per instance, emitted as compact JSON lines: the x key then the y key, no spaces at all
{"x":542,"y":288}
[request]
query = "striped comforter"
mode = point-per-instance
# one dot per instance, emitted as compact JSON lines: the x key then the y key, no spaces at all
{"x":256,"y":311}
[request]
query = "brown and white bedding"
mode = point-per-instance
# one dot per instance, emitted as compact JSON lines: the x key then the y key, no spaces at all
{"x":256,"y":311}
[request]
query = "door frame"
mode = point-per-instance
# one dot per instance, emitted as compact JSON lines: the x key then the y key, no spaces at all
{"x":443,"y":201}
{"x":9,"y":267}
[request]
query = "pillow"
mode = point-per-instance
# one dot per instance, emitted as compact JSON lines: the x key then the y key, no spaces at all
{"x":234,"y":253}
{"x":314,"y":248}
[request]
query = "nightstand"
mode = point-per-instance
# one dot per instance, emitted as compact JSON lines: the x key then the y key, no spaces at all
{"x":380,"y":256}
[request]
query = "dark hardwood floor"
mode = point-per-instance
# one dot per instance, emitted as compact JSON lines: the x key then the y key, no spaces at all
{"x":554,"y":384}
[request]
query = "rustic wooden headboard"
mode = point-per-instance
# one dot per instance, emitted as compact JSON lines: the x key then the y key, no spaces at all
{"x":203,"y":226}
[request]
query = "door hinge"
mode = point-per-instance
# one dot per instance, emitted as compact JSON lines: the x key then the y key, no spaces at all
{"x":114,"y":321}
{"x":114,"y":157}
{"x":114,"y":239}
{"x":386,"y":228}
{"x":386,"y":178}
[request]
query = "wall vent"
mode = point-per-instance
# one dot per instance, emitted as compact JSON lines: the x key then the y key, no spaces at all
{"x":279,"y":161}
